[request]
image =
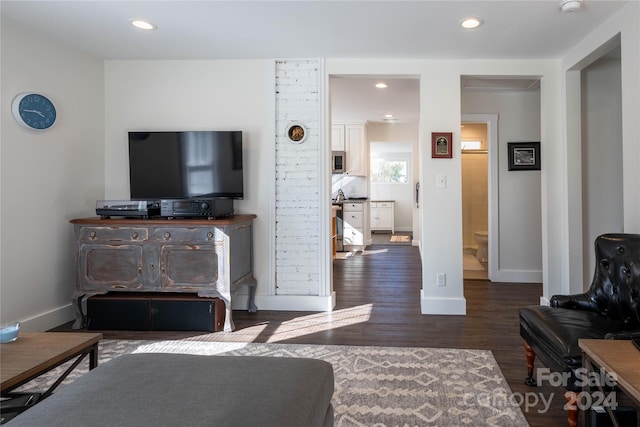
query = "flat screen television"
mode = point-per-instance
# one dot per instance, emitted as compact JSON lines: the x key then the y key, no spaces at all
{"x":185,"y":165}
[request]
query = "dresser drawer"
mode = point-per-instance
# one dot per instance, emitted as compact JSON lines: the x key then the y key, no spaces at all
{"x":187,"y":234}
{"x":113,"y":234}
{"x":353,"y":207}
{"x":353,"y":236}
{"x":353,"y":219}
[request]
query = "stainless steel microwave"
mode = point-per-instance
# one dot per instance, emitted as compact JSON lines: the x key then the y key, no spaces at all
{"x":338,"y":162}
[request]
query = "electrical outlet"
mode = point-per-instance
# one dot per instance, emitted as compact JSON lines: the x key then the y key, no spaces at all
{"x":442,"y":279}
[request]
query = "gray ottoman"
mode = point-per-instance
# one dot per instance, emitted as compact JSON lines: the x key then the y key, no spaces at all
{"x":187,"y":390}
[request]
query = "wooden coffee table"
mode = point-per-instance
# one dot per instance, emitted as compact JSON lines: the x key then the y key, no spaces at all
{"x":619,"y":357}
{"x":34,"y":354}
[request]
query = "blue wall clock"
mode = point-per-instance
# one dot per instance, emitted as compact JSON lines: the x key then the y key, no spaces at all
{"x":33,"y":111}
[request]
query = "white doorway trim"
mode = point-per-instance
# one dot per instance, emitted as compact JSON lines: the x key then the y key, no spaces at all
{"x":491,"y":120}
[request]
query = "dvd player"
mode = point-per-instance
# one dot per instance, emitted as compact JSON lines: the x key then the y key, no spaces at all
{"x":127,"y":208}
{"x":196,"y":208}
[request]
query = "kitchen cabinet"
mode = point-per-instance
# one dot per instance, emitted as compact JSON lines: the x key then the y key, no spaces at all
{"x":337,"y":138}
{"x":212,"y":258}
{"x":382,"y":216}
{"x":351,"y":138}
{"x":355,"y":225}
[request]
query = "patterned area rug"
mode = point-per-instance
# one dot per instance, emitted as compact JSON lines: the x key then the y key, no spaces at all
{"x":386,"y":238}
{"x":374,"y":386}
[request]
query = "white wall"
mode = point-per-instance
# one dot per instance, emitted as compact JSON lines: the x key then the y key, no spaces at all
{"x":519,"y":192}
{"x":47,"y":178}
{"x":440,"y":110}
{"x":602,"y":202}
{"x":623,"y":25}
{"x":199,"y":95}
{"x":136,"y":98}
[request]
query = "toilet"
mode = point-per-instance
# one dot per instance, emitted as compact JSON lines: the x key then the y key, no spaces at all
{"x":482,"y":240}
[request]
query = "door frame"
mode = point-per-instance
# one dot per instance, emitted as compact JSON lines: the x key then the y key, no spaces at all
{"x":493,"y":233}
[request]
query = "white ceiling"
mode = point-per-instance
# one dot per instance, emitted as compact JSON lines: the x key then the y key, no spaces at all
{"x":333,"y":29}
{"x":357,"y":99}
{"x":240,"y":29}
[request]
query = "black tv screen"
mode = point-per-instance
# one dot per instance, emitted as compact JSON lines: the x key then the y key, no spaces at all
{"x":181,"y":165}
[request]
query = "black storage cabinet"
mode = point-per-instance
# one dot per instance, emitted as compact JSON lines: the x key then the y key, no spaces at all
{"x":154,"y":312}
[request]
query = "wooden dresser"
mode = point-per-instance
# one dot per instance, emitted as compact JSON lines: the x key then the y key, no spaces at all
{"x":212,"y":258}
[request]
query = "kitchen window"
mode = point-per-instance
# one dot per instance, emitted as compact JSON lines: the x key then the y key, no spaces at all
{"x":389,"y":170}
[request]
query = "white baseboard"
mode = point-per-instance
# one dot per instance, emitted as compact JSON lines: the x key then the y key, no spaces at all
{"x":404,"y":229}
{"x":48,"y":320}
{"x":287,"y":302}
{"x":517,"y":276}
{"x":428,"y":305}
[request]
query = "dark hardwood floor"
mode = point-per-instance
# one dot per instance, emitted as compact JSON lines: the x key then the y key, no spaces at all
{"x":378,"y":303}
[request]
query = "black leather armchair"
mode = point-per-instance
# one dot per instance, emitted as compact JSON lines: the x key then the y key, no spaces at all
{"x":610,"y":309}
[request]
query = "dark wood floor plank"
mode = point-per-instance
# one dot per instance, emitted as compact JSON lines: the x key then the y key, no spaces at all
{"x":378,"y":303}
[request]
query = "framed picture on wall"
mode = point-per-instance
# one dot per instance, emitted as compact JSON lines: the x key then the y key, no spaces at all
{"x":441,"y":145}
{"x":524,"y":156}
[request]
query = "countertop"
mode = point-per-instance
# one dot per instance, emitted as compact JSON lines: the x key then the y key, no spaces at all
{"x":358,"y":200}
{"x":382,"y":201}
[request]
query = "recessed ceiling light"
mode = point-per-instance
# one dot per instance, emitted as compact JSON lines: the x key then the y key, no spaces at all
{"x":570,"y":5}
{"x":471,"y":23}
{"x":381,"y":85}
{"x":388,"y":116}
{"x":143,"y":25}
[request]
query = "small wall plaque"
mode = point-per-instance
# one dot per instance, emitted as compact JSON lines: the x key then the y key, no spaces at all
{"x":296,"y":133}
{"x":441,"y":145}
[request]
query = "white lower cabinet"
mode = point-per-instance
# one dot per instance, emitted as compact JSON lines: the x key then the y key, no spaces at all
{"x":355,"y":225}
{"x":382,"y":216}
